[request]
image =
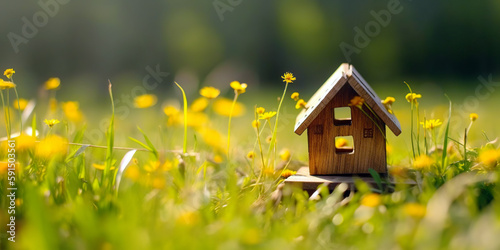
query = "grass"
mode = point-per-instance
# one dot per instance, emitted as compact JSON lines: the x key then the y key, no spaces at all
{"x":174,"y":187}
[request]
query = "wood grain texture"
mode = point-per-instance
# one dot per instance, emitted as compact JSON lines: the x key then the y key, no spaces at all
{"x":368,"y":152}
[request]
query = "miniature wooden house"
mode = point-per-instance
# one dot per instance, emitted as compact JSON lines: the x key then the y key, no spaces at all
{"x":344,"y":139}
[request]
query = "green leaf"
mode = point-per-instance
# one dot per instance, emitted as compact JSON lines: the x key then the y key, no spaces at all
{"x":184,"y":146}
{"x":445,"y":143}
{"x":150,"y":144}
{"x":142,"y":144}
{"x":376,"y":178}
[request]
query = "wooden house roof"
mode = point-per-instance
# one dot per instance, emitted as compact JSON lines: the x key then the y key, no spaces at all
{"x":344,"y":74}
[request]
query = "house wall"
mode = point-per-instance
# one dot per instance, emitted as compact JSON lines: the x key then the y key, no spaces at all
{"x":368,"y":152}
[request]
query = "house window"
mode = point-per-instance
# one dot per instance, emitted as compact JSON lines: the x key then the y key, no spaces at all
{"x":368,"y":133}
{"x":344,"y":145}
{"x":342,"y":116}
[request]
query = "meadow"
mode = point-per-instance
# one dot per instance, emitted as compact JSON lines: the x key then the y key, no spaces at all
{"x":205,"y":171}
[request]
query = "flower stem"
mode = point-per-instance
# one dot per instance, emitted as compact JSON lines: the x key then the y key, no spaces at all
{"x":229,"y":123}
{"x":273,"y":139}
{"x":6,"y":115}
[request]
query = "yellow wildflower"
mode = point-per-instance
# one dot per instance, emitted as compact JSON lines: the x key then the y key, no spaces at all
{"x":261,"y":110}
{"x":422,"y":162}
{"x":102,"y":166}
{"x":267,"y":115}
{"x":21,"y":105}
{"x":209,"y":92}
{"x":212,"y":138}
{"x":25,"y":142}
{"x":171,"y":110}
{"x":52,"y":83}
{"x":199,"y":104}
{"x":222,"y":106}
{"x":3,"y":167}
{"x":189,"y":218}
{"x":218,"y":159}
{"x":8,"y":73}
{"x":288,"y":77}
{"x":412,"y":97}
{"x":133,"y":172}
{"x":414,"y":210}
{"x":287,"y":173}
{"x":285,"y":154}
{"x":473,"y":116}
{"x":152,"y":166}
{"x":72,"y":111}
{"x":489,"y":157}
{"x":158,"y":182}
{"x":341,"y":142}
{"x":357,"y":101}
{"x":268,"y":139}
{"x":51,"y":122}
{"x":300,"y":104}
{"x":251,"y":155}
{"x":239,"y":88}
{"x":268,"y":171}
{"x":388,"y":101}
{"x":6,"y":84}
{"x":51,"y":147}
{"x":145,"y":101}
{"x":431,"y":124}
{"x":295,"y":96}
{"x":255,"y":123}
{"x":371,"y":200}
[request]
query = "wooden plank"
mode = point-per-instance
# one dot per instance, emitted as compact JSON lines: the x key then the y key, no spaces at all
{"x":319,"y":100}
{"x":310,"y":182}
{"x":372,"y":99}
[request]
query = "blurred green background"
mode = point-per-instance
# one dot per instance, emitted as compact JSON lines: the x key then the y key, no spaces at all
{"x":87,"y":42}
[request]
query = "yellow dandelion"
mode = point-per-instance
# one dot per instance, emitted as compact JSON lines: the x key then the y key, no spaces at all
{"x":261,"y":110}
{"x":412,"y":97}
{"x":52,"y":83}
{"x":295,"y":96}
{"x":25,"y":142}
{"x":8,"y":73}
{"x":268,"y":171}
{"x":357,"y":101}
{"x":51,"y":122}
{"x":218,"y":159}
{"x":52,"y":105}
{"x":72,"y":111}
{"x":288,"y":77}
{"x":473,"y":117}
{"x":287,"y":173}
{"x":209,"y":92}
{"x":21,"y":105}
{"x":239,"y":88}
{"x":341,"y":142}
{"x":251,"y":155}
{"x":489,"y":157}
{"x":170,"y":110}
{"x":285,"y":154}
{"x":212,"y":138}
{"x":387,"y":102}
{"x":414,"y":210}
{"x":133,"y":172}
{"x":52,"y":146}
{"x":102,"y":166}
{"x":255,"y":123}
{"x":199,"y":104}
{"x":158,"y":182}
{"x":152,"y":166}
{"x":267,"y":115}
{"x":300,"y":104}
{"x":3,"y":167}
{"x":431,"y":124}
{"x":423,"y":162}
{"x":222,"y":106}
{"x":189,"y":218}
{"x":145,"y":101}
{"x":6,"y":84}
{"x":371,"y":200}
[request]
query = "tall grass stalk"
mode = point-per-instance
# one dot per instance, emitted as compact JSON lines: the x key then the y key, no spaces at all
{"x":6,"y":113}
{"x":411,"y":122}
{"x":229,"y":123}
{"x":18,"y":106}
{"x":110,"y":136}
{"x":184,"y":100}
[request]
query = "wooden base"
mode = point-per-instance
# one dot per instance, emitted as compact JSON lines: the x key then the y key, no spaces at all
{"x":310,"y":183}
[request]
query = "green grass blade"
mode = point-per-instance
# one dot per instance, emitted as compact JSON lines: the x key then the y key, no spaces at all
{"x":184,"y":146}
{"x":142,"y":144}
{"x":150,"y":144}
{"x":110,"y":136}
{"x":445,"y":143}
{"x":123,"y":165}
